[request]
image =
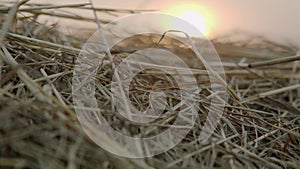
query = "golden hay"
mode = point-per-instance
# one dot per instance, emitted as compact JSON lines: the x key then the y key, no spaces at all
{"x":260,"y":130}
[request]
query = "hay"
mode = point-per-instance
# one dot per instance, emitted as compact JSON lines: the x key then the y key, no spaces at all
{"x":39,"y":128}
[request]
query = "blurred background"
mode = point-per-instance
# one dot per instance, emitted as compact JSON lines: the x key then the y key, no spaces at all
{"x":275,"y":20}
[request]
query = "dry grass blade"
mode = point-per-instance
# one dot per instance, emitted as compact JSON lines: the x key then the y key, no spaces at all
{"x":6,"y":9}
{"x":269,"y":93}
{"x":45,"y":43}
{"x":274,"y":61}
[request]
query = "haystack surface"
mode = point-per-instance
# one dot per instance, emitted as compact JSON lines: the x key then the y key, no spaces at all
{"x":39,"y":128}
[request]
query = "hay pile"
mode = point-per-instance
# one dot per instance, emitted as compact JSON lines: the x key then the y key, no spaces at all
{"x":260,"y":129}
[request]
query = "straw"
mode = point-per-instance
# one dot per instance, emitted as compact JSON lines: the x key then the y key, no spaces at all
{"x":259,"y":127}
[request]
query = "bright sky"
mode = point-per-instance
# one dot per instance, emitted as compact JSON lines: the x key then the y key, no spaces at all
{"x":275,"y":19}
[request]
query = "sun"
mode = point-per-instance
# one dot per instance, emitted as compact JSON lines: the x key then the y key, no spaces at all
{"x":198,"y":16}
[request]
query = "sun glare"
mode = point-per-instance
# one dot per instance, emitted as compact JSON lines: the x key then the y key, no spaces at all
{"x":197,"y":15}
